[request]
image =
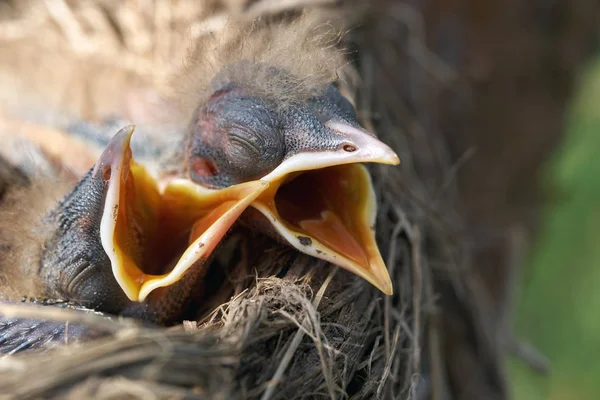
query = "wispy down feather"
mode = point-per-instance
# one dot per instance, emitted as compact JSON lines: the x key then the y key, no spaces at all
{"x":282,"y":60}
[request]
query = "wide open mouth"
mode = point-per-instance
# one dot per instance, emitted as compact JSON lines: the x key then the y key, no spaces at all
{"x":154,"y":237}
{"x":329,"y":213}
{"x":323,"y":205}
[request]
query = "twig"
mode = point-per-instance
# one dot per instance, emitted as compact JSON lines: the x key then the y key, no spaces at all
{"x":425,"y":58}
{"x":21,"y":28}
{"x":529,"y":354}
{"x":63,"y":16}
{"x":417,"y":294}
{"x":388,"y":364}
{"x":451,"y":175}
{"x":287,"y":357}
{"x":50,"y":313}
{"x":387,"y":305}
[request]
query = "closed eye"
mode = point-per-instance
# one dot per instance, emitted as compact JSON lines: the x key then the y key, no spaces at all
{"x":243,"y":144}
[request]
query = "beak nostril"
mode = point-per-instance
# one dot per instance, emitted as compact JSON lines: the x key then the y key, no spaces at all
{"x":349,"y":148}
{"x":106,"y":173}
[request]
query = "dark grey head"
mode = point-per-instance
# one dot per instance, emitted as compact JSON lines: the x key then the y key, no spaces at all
{"x":74,"y":265}
{"x":238,"y":135}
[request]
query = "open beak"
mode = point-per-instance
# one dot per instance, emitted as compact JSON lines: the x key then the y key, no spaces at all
{"x":153,"y":236}
{"x":324,"y":205}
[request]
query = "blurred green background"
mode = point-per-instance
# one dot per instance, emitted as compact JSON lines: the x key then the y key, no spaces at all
{"x":559,"y":308}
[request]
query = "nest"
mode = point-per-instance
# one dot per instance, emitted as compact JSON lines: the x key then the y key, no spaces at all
{"x":282,"y":325}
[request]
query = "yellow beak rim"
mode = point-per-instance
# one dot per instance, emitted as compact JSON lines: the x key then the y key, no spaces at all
{"x":135,"y":211}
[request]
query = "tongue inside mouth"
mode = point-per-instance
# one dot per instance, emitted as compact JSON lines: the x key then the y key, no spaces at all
{"x":329,"y":213}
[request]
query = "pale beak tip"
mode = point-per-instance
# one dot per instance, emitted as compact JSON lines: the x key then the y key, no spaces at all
{"x":123,"y":136}
{"x":379,"y":152}
{"x":393,"y":159}
{"x":382,"y":154}
{"x":378,"y":276}
{"x":387,"y":155}
{"x":385,"y":285}
{"x":115,"y":151}
{"x":129,"y":128}
{"x":120,"y":141}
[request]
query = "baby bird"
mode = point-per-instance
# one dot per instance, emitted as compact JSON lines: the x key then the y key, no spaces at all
{"x":270,"y":142}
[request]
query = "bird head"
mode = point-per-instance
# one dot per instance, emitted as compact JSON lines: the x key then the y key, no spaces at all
{"x":319,"y":199}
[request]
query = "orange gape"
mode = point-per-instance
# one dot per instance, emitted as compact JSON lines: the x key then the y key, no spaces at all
{"x":332,"y":202}
{"x":139,"y":222}
{"x":329,"y":213}
{"x":331,"y":231}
